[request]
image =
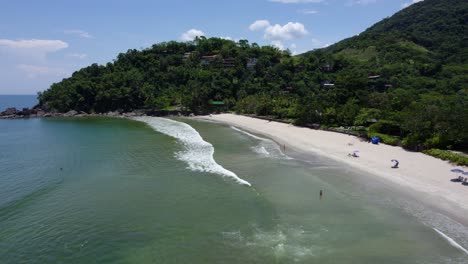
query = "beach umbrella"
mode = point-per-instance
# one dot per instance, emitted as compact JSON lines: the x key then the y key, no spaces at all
{"x":457,"y":171}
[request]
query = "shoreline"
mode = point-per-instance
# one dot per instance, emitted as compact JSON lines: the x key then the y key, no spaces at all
{"x":422,"y":177}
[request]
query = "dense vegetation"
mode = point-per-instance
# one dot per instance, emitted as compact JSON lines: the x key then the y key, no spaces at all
{"x":406,"y":76}
{"x":456,"y":158}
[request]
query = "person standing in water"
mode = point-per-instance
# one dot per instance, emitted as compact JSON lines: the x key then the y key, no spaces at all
{"x":321,"y":194}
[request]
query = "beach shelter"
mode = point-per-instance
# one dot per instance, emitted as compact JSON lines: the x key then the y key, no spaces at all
{"x":460,"y":178}
{"x":375,"y":140}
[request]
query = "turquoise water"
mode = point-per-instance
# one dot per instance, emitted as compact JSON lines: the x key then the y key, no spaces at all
{"x":96,"y":190}
{"x":18,"y":101}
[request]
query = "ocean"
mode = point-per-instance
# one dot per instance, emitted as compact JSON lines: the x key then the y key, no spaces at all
{"x":155,"y":190}
{"x":18,"y":101}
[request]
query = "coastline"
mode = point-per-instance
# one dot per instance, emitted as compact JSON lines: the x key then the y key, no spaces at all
{"x":424,"y":178}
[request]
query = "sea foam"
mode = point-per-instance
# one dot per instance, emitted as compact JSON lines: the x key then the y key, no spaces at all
{"x":451,"y":241}
{"x":197,"y":153}
{"x":266,"y":147}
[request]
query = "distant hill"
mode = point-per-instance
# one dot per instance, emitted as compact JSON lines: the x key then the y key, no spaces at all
{"x":433,"y":27}
{"x":405,"y":78}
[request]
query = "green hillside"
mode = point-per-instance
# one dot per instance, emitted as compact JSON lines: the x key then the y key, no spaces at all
{"x":405,"y":77}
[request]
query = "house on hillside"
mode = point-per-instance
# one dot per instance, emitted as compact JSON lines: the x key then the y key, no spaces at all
{"x":327,"y":84}
{"x":229,"y":63}
{"x":218,"y":106}
{"x":251,"y":62}
{"x":188,"y":55}
{"x":206,"y":60}
{"x":288,"y":88}
{"x":326,"y":67}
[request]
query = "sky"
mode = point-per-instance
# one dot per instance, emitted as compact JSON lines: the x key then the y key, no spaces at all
{"x":42,"y":42}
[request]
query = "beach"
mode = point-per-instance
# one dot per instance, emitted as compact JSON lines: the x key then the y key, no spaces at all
{"x":425,"y":178}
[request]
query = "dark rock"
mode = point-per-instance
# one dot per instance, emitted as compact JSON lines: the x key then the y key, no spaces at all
{"x":10,"y":111}
{"x":40,"y":113}
{"x":70,"y":113}
{"x":129,"y":114}
{"x":112,"y":113}
{"x":45,"y":107}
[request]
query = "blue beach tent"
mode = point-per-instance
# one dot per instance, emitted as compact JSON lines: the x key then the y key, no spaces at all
{"x":375,"y":140}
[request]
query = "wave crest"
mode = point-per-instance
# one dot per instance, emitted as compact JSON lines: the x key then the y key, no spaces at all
{"x":197,"y":153}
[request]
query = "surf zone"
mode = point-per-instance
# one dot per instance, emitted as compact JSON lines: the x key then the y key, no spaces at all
{"x":197,"y":153}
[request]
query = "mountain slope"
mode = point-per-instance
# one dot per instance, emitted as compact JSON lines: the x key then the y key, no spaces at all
{"x":439,"y":26}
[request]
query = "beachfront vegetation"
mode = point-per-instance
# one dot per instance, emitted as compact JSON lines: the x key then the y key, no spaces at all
{"x":458,"y":159}
{"x":407,"y":75}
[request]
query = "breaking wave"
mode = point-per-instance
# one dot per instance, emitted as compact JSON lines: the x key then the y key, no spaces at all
{"x":197,"y":153}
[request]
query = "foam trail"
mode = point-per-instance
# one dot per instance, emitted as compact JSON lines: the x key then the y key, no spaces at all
{"x":451,"y":241}
{"x":198,"y":153}
{"x":261,"y":150}
{"x":249,"y":134}
{"x":267,"y":147}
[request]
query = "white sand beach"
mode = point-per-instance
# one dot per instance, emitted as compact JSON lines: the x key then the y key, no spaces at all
{"x":426,"y":177}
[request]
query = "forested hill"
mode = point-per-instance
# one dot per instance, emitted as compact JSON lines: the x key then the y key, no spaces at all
{"x":438,"y":26}
{"x":405,"y":77}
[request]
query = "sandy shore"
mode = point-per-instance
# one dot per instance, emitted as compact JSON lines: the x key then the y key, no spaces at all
{"x":423,"y":175}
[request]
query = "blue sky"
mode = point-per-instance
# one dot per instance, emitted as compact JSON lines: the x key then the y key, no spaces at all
{"x":42,"y":42}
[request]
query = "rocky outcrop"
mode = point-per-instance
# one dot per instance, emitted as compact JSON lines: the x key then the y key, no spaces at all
{"x":70,"y":113}
{"x":10,"y":111}
{"x":13,"y":113}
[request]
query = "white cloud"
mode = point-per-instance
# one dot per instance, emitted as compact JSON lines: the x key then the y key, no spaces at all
{"x":293,"y":49}
{"x":33,"y":71}
{"x":316,"y":42}
{"x":191,"y":34}
{"x":296,"y":1}
{"x":39,"y":45}
{"x":361,"y":2}
{"x":308,"y":11}
{"x":77,"y":56}
{"x":410,"y":3}
{"x":78,"y":32}
{"x":278,"y":44}
{"x":259,"y":25}
{"x":277,"y":34}
{"x":287,"y":32}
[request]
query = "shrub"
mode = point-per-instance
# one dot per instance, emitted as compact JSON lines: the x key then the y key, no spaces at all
{"x":389,"y":140}
{"x":411,"y":142}
{"x":458,"y":159}
{"x":385,"y":127}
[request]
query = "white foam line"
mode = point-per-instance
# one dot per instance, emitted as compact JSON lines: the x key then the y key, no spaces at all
{"x":198,"y":153}
{"x":264,"y":140}
{"x":451,"y":241}
{"x":248,"y":134}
